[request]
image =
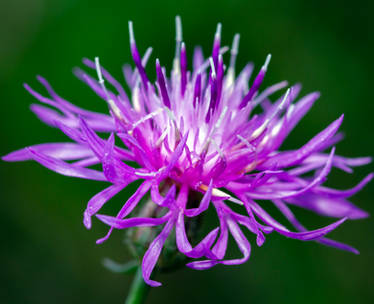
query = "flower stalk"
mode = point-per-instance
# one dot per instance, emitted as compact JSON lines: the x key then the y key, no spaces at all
{"x":138,"y":290}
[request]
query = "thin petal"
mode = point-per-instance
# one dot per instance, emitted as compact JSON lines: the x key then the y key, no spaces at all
{"x":132,"y":222}
{"x":286,"y":159}
{"x":304,"y":236}
{"x":65,"y":151}
{"x":151,"y":256}
{"x":64,"y":168}
{"x":204,"y":204}
{"x":130,"y":204}
{"x":184,"y":246}
{"x":95,"y":203}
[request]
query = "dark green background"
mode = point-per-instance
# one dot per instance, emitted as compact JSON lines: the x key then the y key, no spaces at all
{"x":48,"y":256}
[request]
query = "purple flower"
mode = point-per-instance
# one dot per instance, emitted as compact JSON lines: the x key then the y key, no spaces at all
{"x":197,"y":145}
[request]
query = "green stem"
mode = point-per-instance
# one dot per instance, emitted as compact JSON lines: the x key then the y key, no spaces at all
{"x":139,"y":289}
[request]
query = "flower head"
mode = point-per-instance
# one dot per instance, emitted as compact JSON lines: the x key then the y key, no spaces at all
{"x":197,"y":145}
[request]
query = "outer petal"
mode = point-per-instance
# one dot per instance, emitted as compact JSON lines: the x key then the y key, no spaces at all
{"x":204,"y":204}
{"x":98,"y":201}
{"x":131,"y":203}
{"x":286,"y":194}
{"x":287,"y":159}
{"x":64,"y":168}
{"x":66,"y":151}
{"x":325,"y":241}
{"x":132,"y":222}
{"x":328,"y":206}
{"x":151,"y":256}
{"x":184,"y":246}
{"x":241,"y":241}
{"x":303,"y":236}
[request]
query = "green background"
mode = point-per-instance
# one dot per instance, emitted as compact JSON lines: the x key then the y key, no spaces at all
{"x":48,"y":256}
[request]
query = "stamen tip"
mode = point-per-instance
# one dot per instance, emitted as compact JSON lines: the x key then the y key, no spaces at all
{"x":211,"y":62}
{"x":131,"y":32}
{"x":267,"y":61}
{"x":218,"y":31}
{"x":235,"y":44}
{"x":178,"y":28}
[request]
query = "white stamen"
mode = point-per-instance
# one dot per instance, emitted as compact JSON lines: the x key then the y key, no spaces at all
{"x":206,"y":63}
{"x":267,"y":61}
{"x":235,"y":200}
{"x":147,"y":117}
{"x":131,"y":33}
{"x":135,"y":98}
{"x":214,"y":75}
{"x":218,"y":149}
{"x":146,"y":56}
{"x":219,"y":193}
{"x":258,"y":131}
{"x":178,"y":40}
{"x":110,"y":102}
{"x":178,"y":29}
{"x":146,"y":173}
{"x":162,"y":137}
{"x":212,"y":133}
{"x":98,"y":70}
{"x":246,"y":142}
{"x":267,"y":92}
{"x":290,"y":110}
{"x":115,"y":109}
{"x":170,"y":114}
{"x":277,"y":128}
{"x":217,"y":36}
{"x":234,"y":51}
{"x":223,"y":49}
{"x":222,"y":115}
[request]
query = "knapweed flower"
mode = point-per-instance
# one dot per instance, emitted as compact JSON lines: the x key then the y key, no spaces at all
{"x":194,"y":142}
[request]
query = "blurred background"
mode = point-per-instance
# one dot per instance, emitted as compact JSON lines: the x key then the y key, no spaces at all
{"x":49,"y":257}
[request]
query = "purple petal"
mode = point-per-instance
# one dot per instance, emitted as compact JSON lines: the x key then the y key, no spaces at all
{"x":130,"y":204}
{"x":151,"y":256}
{"x":328,"y":206}
{"x":320,"y":178}
{"x":64,"y":168}
{"x":301,"y":108}
{"x":325,"y":241}
{"x":241,"y":241}
{"x":184,"y":246}
{"x":286,"y":159}
{"x":174,"y":157}
{"x":334,"y":193}
{"x":95,"y":203}
{"x":204,"y":204}
{"x":304,"y":236}
{"x":159,"y":199}
{"x":65,"y":151}
{"x":132,"y":222}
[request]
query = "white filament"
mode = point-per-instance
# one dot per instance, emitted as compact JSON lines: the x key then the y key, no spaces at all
{"x":218,"y":32}
{"x":267,"y":61}
{"x":178,"y":40}
{"x":110,"y":102}
{"x":258,"y":131}
{"x":147,"y":117}
{"x":214,"y":74}
{"x":131,"y":33}
{"x":206,"y":63}
{"x":267,"y":92}
{"x":246,"y":142}
{"x":234,"y":51}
